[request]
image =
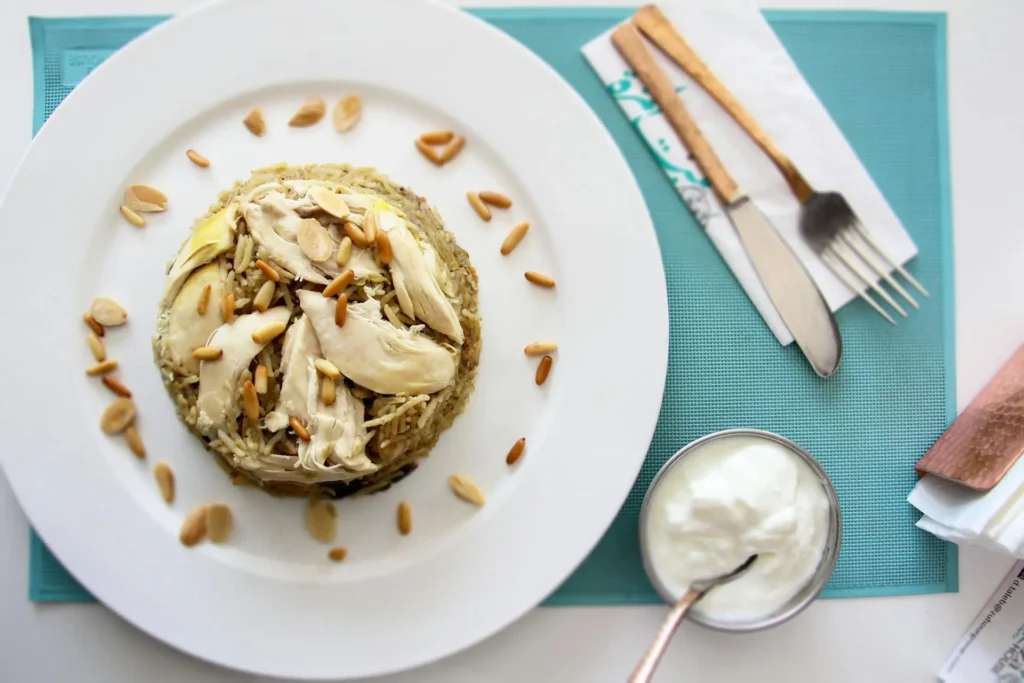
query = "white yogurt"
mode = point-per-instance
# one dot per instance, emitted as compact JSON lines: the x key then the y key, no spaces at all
{"x":726,"y":500}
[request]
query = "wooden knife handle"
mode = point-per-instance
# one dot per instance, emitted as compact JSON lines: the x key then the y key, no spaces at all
{"x":656,"y":26}
{"x":630,"y":44}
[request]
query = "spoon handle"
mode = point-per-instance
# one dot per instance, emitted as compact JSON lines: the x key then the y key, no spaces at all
{"x":645,"y":668}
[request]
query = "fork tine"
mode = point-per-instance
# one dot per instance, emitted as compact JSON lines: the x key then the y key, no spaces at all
{"x":864,"y":251}
{"x":828,"y":260}
{"x":889,"y":259}
{"x":855,"y":268}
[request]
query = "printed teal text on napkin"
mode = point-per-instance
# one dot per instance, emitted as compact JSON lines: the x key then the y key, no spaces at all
{"x":77,"y":63}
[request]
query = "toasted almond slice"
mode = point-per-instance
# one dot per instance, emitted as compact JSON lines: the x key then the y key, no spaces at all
{"x":540,"y":348}
{"x":264,"y":296}
{"x":197,"y":158}
{"x":437,"y":137}
{"x":311,"y":111}
{"x":357,"y":236}
{"x":452,"y":149}
{"x":328,"y":391}
{"x":339,"y":283}
{"x":193,"y":529}
{"x":260,"y":379}
{"x":466,"y":489}
{"x":117,"y":416}
{"x":314,"y":240}
{"x":543,"y":370}
{"x":429,"y":152}
{"x":347,"y":112}
{"x":101,"y":368}
{"x":344,"y":251}
{"x":384,"y":248}
{"x":115,"y":385}
{"x":144,"y":198}
{"x":254,"y":122}
{"x":539,"y":279}
{"x":164,"y":476}
{"x":268,"y":332}
{"x":268,"y":270}
{"x":207,"y":353}
{"x":298,"y":428}
{"x":495,"y":199}
{"x":96,"y":346}
{"x":96,"y":328}
{"x":204,"y":299}
{"x":327,"y":368}
{"x":250,"y":401}
{"x":515,"y":236}
{"x":107,"y":312}
{"x":132,"y":217}
{"x":337,"y":554}
{"x":321,"y":521}
{"x":481,"y":209}
{"x":228,"y":307}
{"x":341,"y":310}
{"x":515,"y":452}
{"x":370,"y":227}
{"x":131,"y":435}
{"x":331,"y":202}
{"x":404,"y":518}
{"x":218,"y":522}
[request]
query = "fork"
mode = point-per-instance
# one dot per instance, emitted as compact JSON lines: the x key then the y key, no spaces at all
{"x":827,"y":221}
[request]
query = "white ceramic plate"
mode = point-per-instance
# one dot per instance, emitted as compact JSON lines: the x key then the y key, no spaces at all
{"x":270,"y":601}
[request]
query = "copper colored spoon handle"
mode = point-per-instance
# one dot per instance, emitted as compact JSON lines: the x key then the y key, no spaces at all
{"x":645,"y":668}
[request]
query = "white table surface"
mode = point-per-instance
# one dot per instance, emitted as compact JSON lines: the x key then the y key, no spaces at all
{"x":901,"y":639}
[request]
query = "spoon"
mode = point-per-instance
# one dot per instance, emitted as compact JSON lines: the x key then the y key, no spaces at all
{"x":698,"y":589}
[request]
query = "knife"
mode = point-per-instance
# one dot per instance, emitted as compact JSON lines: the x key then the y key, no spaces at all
{"x":787,"y":282}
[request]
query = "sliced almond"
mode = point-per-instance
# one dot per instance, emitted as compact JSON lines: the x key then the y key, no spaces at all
{"x":107,"y":312}
{"x":437,"y":137}
{"x":268,"y":332}
{"x":144,"y":198}
{"x":328,"y":391}
{"x":204,"y":299}
{"x":193,"y":529}
{"x":255,"y":123}
{"x":260,"y":379}
{"x":321,"y":521}
{"x":370,"y":227}
{"x":131,"y":435}
{"x":117,"y":416}
{"x":132,"y":217}
{"x":495,"y":199}
{"x":452,"y":149}
{"x":404,"y":518}
{"x":539,"y":348}
{"x":164,"y":476}
{"x":251,"y":401}
{"x":515,"y":236}
{"x":268,"y":270}
{"x":481,"y":209}
{"x":261,"y":301}
{"x":384,"y":248}
{"x":539,"y":279}
{"x":327,"y":368}
{"x":344,"y":251}
{"x":466,"y":489}
{"x":101,"y":368}
{"x":96,"y":328}
{"x":543,"y":370}
{"x":218,"y":522}
{"x":197,"y":158}
{"x":228,"y":307}
{"x":337,"y":554}
{"x":96,"y":346}
{"x":429,"y":152}
{"x":314,"y":240}
{"x":311,"y":111}
{"x":298,"y":428}
{"x":515,"y":452}
{"x":331,"y":202}
{"x":357,"y":236}
{"x":341,"y":310}
{"x":347,"y":112}
{"x":115,"y":385}
{"x":207,"y":353}
{"x":341,"y":282}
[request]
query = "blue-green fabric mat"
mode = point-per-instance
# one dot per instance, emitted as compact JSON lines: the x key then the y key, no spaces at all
{"x":883,"y":78}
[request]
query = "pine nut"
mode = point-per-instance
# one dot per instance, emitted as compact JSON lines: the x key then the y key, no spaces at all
{"x":357,"y":236}
{"x":101,"y":368}
{"x":337,"y":554}
{"x":204,"y":299}
{"x":251,"y":401}
{"x":344,"y":251}
{"x":495,"y":199}
{"x":260,"y":379}
{"x":228,"y":307}
{"x":207,"y":353}
{"x":268,"y":270}
{"x":197,"y":158}
{"x":328,"y":391}
{"x":115,"y":385}
{"x":515,"y":452}
{"x":261,"y":302}
{"x":132,"y":217}
{"x":298,"y":428}
{"x":437,"y":137}
{"x":540,"y":348}
{"x":268,"y":332}
{"x":515,"y":236}
{"x":539,"y":279}
{"x":341,"y":310}
{"x":327,"y":368}
{"x":93,"y":325}
{"x":543,"y":369}
{"x":478,"y":206}
{"x":135,"y":445}
{"x":429,"y":152}
{"x":339,"y":283}
{"x":96,"y":346}
{"x":404,"y":518}
{"x":453,"y":149}
{"x":384,"y":248}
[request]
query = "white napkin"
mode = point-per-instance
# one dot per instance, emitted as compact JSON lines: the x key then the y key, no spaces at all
{"x":993,"y":520}
{"x":738,"y":45}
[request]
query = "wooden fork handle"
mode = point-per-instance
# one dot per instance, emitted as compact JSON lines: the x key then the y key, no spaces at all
{"x":656,"y":26}
{"x":645,"y":668}
{"x":630,"y":44}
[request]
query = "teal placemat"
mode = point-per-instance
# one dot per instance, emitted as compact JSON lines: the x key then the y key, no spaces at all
{"x":883,"y":78}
